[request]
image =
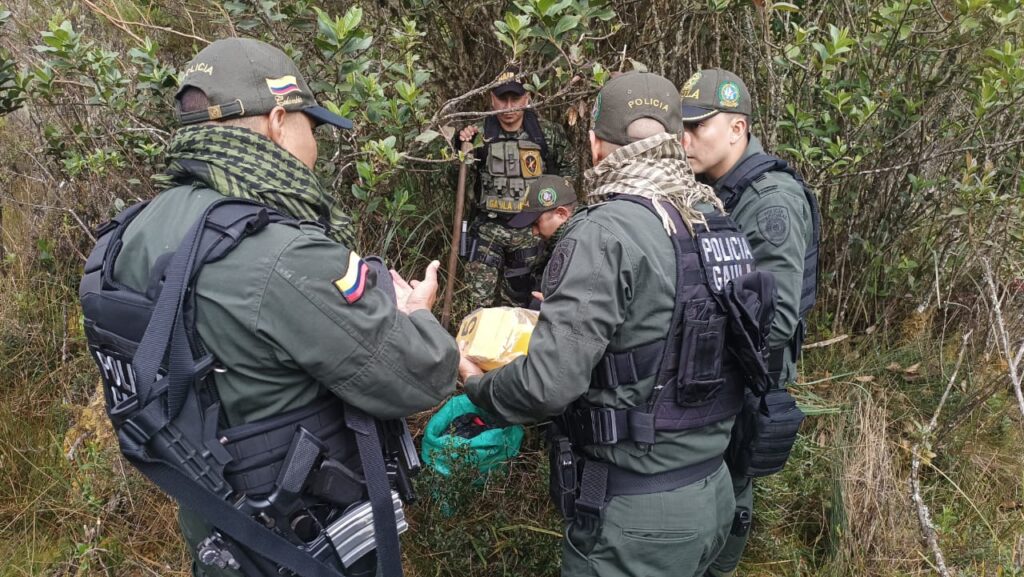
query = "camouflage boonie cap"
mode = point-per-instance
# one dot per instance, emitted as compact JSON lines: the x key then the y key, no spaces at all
{"x":246,"y":77}
{"x":546,"y":193}
{"x":632,"y":96}
{"x":711,"y":91}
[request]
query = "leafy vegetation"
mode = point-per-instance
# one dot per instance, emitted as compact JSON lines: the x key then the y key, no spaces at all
{"x":904,"y":115}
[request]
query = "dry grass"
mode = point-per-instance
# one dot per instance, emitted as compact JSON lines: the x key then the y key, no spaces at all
{"x":879,"y":532}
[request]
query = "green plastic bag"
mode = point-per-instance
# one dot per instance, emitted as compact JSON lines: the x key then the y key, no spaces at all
{"x":486,"y":450}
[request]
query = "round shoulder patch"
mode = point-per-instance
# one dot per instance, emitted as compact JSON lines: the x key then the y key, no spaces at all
{"x":773,"y":222}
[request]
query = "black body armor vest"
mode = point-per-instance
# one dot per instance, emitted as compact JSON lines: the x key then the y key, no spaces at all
{"x":284,"y":493}
{"x":731,"y":189}
{"x":715,"y":349}
{"x":700,"y":365}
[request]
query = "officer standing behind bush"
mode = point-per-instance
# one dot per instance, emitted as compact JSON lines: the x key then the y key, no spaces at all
{"x":655,"y":496}
{"x":518,"y":146}
{"x":779,"y":219}
{"x":294,"y":317}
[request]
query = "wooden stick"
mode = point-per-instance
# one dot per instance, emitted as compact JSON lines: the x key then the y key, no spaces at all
{"x":453,"y":255}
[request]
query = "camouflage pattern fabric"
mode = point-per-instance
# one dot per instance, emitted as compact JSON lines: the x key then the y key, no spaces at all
{"x":481,"y":280}
{"x":486,"y":283}
{"x":240,"y":163}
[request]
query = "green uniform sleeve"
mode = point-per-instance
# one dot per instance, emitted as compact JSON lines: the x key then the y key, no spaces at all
{"x":776,"y":218}
{"x":588,"y":287}
{"x":366,"y":352}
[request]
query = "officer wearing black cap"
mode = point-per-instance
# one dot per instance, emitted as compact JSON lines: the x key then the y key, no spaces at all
{"x":305,"y":337}
{"x":517,"y":147}
{"x":550,"y":201}
{"x":779,"y":216}
{"x":629,"y":353}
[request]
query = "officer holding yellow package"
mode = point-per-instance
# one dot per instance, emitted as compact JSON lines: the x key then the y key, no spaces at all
{"x":629,"y":353}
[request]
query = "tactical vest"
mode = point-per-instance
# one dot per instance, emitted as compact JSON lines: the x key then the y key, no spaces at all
{"x":507,"y":166}
{"x":731,"y":188}
{"x":306,"y":491}
{"x":713,"y":352}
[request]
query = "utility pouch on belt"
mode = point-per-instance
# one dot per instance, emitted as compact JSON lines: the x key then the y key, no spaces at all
{"x":764,"y":434}
{"x":562,"y":482}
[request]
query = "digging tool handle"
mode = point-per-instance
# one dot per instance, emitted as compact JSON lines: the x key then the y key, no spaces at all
{"x":453,"y":255}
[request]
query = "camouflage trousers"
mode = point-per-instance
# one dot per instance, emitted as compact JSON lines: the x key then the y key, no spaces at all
{"x":504,"y":264}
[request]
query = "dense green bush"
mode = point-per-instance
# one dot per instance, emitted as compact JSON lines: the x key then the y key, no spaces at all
{"x":904,"y":115}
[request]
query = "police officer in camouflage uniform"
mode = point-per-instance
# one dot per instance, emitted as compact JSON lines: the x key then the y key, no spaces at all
{"x":292,"y":314}
{"x":778,"y":219}
{"x":654,"y":500}
{"x":517,"y":146}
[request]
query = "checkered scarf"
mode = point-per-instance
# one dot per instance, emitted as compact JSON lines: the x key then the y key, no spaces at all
{"x":240,"y":163}
{"x":653,"y":168}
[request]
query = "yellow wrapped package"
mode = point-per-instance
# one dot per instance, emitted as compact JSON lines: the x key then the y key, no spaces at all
{"x":494,"y":336}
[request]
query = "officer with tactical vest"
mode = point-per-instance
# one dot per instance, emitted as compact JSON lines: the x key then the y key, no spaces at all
{"x":778,"y":214}
{"x":517,"y":147}
{"x":255,"y":366}
{"x":630,"y":356}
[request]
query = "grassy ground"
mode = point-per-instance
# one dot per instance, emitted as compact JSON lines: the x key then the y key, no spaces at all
{"x":69,"y":505}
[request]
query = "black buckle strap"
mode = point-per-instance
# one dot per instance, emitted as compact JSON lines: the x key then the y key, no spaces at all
{"x":605,"y":426}
{"x":628,"y":367}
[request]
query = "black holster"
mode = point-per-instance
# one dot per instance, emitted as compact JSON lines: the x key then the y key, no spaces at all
{"x":563,"y":482}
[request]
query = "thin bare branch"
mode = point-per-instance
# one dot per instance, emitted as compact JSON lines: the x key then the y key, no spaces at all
{"x":1012,"y":361}
{"x":924,"y":517}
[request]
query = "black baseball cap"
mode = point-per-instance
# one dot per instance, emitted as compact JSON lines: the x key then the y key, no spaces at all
{"x":632,"y":96}
{"x":509,"y":84}
{"x":546,"y":193}
{"x":711,"y":91}
{"x":246,"y":77}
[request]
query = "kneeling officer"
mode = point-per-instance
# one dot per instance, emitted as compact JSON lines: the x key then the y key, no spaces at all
{"x":255,"y":367}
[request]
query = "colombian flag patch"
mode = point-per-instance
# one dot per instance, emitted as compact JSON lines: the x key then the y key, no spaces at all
{"x":352,"y":285}
{"x":283,"y":85}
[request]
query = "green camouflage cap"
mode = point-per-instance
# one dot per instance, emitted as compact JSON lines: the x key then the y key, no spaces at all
{"x":711,"y":91}
{"x":246,"y":77}
{"x":632,"y":96}
{"x":546,"y":193}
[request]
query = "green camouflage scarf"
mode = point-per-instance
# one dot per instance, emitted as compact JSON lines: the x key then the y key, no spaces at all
{"x":654,"y":168}
{"x":240,"y":163}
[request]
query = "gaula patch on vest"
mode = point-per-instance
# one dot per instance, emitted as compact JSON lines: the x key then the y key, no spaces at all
{"x":773,"y":222}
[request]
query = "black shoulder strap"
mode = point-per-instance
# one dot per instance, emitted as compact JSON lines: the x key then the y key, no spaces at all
{"x":161,"y":394}
{"x":531,"y":122}
{"x":731,"y":188}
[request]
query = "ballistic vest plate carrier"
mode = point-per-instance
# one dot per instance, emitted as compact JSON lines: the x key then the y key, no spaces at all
{"x":288,"y":491}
